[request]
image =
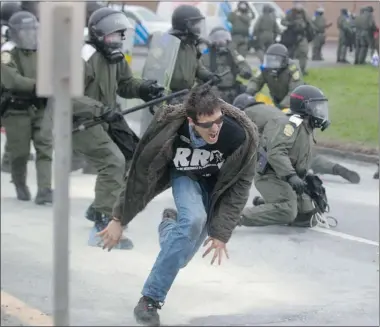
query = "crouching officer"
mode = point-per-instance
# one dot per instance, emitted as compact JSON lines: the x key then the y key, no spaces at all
{"x":284,"y":158}
{"x":107,"y":74}
{"x":23,"y":118}
{"x":219,"y":57}
{"x":282,"y":77}
{"x":280,"y":73}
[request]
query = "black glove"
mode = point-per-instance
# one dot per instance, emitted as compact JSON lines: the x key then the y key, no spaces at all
{"x":111,"y":116}
{"x":215,"y":79}
{"x":150,"y":90}
{"x":246,"y":74}
{"x":296,"y":183}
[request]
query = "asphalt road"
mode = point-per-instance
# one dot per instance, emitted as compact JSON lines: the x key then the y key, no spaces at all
{"x":279,"y":276}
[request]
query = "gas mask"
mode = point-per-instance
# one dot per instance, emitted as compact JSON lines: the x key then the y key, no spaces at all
{"x":113,"y":45}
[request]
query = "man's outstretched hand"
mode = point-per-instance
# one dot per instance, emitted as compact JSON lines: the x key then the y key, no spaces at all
{"x":219,"y":248}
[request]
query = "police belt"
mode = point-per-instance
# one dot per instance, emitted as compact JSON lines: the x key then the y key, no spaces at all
{"x":20,"y":104}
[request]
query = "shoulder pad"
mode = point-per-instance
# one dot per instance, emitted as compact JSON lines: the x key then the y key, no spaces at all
{"x":87,"y":52}
{"x":7,"y":46}
{"x":6,"y":57}
{"x":296,"y":75}
{"x":239,"y":57}
{"x":206,"y":51}
{"x":296,"y":120}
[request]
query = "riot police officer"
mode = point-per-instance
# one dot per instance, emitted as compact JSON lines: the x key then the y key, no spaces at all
{"x":319,"y":40}
{"x":345,"y":35}
{"x":265,"y":31}
{"x":187,"y":24}
{"x":7,"y":10}
{"x":365,"y":28}
{"x":301,"y":31}
{"x":23,"y":119}
{"x":284,"y":159}
{"x":240,"y":20}
{"x":107,"y":74}
{"x":280,"y":73}
{"x":220,"y":57}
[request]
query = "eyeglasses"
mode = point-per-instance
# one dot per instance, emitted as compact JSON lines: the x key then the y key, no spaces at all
{"x":209,"y":124}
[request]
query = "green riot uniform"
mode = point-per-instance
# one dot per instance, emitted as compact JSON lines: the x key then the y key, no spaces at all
{"x":319,"y":40}
{"x":265,"y":33}
{"x":345,"y":31}
{"x":23,"y":120}
{"x":287,"y":144}
{"x":365,"y":26}
{"x":240,"y":22}
{"x":218,"y":61}
{"x":188,"y":67}
{"x":261,"y":114}
{"x":280,"y":85}
{"x":102,"y":83}
{"x":299,"y":24}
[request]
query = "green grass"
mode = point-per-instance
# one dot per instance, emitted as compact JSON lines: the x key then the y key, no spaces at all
{"x":353,"y":94}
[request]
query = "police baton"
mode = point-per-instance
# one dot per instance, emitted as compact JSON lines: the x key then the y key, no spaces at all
{"x":210,"y":82}
{"x":99,"y":120}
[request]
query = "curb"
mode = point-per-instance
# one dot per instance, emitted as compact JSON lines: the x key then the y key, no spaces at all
{"x":347,"y":155}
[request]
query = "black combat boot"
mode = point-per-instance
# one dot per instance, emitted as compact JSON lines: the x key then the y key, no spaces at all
{"x":376,"y":175}
{"x":22,"y":192}
{"x":349,"y":175}
{"x":146,"y":312}
{"x":44,"y":196}
{"x":5,"y":163}
{"x":257,"y":201}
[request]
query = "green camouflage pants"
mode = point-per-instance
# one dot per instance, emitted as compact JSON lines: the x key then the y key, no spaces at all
{"x":282,"y":204}
{"x":21,"y":127}
{"x":103,"y":154}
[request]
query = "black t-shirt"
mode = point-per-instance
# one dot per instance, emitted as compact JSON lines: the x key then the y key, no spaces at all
{"x":205,"y":162}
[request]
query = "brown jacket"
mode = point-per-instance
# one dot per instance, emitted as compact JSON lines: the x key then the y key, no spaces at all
{"x":149,"y":174}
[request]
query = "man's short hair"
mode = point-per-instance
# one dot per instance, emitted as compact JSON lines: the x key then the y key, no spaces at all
{"x":201,"y":101}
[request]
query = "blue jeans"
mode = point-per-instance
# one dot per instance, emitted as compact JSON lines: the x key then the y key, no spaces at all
{"x":179,"y":239}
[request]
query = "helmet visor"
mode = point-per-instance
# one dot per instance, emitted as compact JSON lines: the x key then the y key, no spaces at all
{"x":220,"y":38}
{"x":113,"y":23}
{"x":197,"y":27}
{"x":318,"y":109}
{"x":273,"y":61}
{"x":25,"y":36}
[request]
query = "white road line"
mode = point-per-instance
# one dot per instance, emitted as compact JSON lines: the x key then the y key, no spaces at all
{"x":344,"y":236}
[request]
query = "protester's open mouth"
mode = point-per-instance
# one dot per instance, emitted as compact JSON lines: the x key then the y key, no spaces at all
{"x":213,"y":136}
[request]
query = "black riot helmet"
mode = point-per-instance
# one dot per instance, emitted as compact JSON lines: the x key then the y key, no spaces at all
{"x":267,"y":9}
{"x":7,"y":11}
{"x":243,"y":101}
{"x":344,"y":11}
{"x":32,"y":7}
{"x":91,"y":7}
{"x":23,"y":27}
{"x":309,"y":101}
{"x":106,"y":31}
{"x":369,"y":9}
{"x":276,"y":57}
{"x":243,"y":6}
{"x":219,"y":37}
{"x":188,"y":19}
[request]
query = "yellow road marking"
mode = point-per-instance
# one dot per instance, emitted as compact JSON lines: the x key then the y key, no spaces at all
{"x":24,"y":313}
